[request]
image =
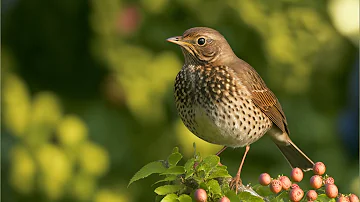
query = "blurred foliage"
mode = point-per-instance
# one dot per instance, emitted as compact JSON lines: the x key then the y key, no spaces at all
{"x":87,"y":89}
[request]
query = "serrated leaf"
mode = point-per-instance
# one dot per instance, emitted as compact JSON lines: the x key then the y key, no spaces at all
{"x":324,"y":198}
{"x":218,"y":173}
{"x":213,"y":187}
{"x":170,"y":198}
{"x":262,"y":190}
{"x":168,"y":189}
{"x":208,"y":163}
{"x":167,"y":179}
{"x":185,"y":198}
{"x":189,"y":165}
{"x":232,"y":196}
{"x":176,"y":170}
{"x":174,"y":158}
{"x":282,"y":197}
{"x":148,"y":169}
{"x":189,"y":174}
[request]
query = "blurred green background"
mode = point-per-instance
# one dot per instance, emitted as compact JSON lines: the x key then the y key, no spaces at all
{"x":87,"y":90}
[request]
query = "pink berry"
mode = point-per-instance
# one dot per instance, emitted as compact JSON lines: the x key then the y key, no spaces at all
{"x":316,"y":181}
{"x":331,"y":190}
{"x":285,"y":182}
{"x":353,"y":198}
{"x":311,"y":195}
{"x":264,"y":179}
{"x":275,"y":186}
{"x":343,"y":198}
{"x":200,"y":195}
{"x":224,"y":199}
{"x":329,"y":180}
{"x":296,"y":194}
{"x":294,"y":186}
{"x":319,"y":168}
{"x":297,"y":174}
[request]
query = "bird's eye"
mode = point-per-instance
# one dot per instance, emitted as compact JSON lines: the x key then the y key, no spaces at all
{"x":201,"y":41}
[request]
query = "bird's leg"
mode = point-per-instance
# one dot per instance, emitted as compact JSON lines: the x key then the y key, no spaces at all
{"x":219,"y":152}
{"x":236,"y":181}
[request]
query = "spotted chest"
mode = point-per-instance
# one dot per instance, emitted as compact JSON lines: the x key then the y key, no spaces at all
{"x":216,"y":107}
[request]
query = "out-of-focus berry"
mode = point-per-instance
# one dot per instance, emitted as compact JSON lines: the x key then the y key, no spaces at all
{"x":316,"y":181}
{"x":331,"y":190}
{"x":297,"y":174}
{"x":224,"y":199}
{"x":311,"y":195}
{"x":296,"y":194}
{"x":200,"y":195}
{"x":319,"y":168}
{"x":353,"y":198}
{"x":264,"y":179}
{"x":285,"y":182}
{"x":343,"y":198}
{"x":275,"y":186}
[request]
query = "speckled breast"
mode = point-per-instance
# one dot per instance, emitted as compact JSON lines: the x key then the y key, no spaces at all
{"x":216,"y":107}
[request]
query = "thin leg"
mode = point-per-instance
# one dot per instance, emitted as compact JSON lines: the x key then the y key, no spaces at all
{"x":236,"y":180}
{"x":221,"y":150}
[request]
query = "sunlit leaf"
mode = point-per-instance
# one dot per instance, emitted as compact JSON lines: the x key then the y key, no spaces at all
{"x":148,"y":169}
{"x":168,"y":189}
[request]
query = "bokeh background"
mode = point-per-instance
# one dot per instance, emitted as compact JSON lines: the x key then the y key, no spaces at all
{"x":87,"y":90}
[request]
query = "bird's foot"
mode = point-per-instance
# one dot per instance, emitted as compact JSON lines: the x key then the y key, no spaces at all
{"x":235,"y":183}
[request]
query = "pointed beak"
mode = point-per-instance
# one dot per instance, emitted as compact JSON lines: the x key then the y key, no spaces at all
{"x":176,"y":40}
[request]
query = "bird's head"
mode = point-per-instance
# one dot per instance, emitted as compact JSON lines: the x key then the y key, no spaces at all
{"x":203,"y":45}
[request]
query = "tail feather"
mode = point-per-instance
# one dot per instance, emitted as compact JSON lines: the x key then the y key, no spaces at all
{"x":295,"y":156}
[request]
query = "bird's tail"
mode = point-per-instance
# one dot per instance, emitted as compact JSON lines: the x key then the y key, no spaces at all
{"x":295,"y":156}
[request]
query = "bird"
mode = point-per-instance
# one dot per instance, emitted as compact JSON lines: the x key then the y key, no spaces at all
{"x":223,"y":100}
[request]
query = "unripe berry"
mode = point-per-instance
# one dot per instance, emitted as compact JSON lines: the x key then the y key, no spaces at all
{"x":329,"y":180}
{"x":319,"y":168}
{"x":297,"y":174}
{"x":316,"y":181}
{"x":311,"y":195}
{"x":353,"y":198}
{"x":296,"y":194}
{"x":275,"y":186}
{"x":264,"y":179}
{"x":200,"y":195}
{"x":331,"y":190}
{"x":224,"y":199}
{"x":285,"y":182}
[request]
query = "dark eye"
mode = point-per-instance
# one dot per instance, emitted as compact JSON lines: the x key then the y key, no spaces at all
{"x":201,"y":41}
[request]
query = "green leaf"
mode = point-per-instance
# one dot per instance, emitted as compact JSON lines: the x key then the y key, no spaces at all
{"x":324,"y":198}
{"x":167,"y":179}
{"x":246,"y":196}
{"x":168,"y":189}
{"x":175,"y":157}
{"x":189,"y":165}
{"x":282,"y":197}
{"x":185,"y":198}
{"x":262,"y":190}
{"x":232,"y":196}
{"x":218,"y":173}
{"x":148,"y":169}
{"x":170,"y":198}
{"x":213,"y":187}
{"x":176,"y":170}
{"x":208,"y":163}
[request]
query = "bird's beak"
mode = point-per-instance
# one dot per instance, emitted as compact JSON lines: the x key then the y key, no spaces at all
{"x":177,"y":40}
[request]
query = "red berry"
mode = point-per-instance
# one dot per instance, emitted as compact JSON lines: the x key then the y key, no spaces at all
{"x":285,"y":182}
{"x":331,"y":190}
{"x":224,"y":199}
{"x":353,"y":198}
{"x":343,"y":198}
{"x":296,"y":194}
{"x":319,"y":168}
{"x":316,"y":181}
{"x":200,"y":195}
{"x":329,"y":180}
{"x":264,"y":179}
{"x":275,"y":186}
{"x":297,"y":174}
{"x":311,"y":195}
{"x":294,"y":186}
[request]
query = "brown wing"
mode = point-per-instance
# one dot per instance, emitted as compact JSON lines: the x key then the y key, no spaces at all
{"x":262,"y":96}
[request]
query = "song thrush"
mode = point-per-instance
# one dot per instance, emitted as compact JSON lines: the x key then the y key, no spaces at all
{"x":223,"y":100}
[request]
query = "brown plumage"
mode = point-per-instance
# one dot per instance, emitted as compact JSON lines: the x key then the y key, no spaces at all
{"x":223,"y":100}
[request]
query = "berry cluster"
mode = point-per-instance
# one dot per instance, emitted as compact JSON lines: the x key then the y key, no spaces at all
{"x":316,"y":182}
